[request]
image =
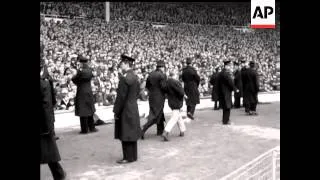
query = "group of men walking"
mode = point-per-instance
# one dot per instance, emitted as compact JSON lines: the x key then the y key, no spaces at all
{"x":243,"y":80}
{"x":126,"y":112}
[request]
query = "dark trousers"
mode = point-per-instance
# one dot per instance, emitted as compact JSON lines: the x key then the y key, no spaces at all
{"x":236,"y":101}
{"x":226,"y":116}
{"x":160,"y":125}
{"x":87,"y":123}
{"x":129,"y":149}
{"x":191,"y":109}
{"x":56,"y":170}
{"x":245,"y":105}
{"x":253,"y":106}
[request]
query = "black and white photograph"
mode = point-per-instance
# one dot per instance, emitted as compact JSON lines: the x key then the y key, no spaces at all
{"x":160,"y":90}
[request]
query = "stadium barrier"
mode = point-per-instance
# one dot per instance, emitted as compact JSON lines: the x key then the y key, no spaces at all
{"x":264,"y":167}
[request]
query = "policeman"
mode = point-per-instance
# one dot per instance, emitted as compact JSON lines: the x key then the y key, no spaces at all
{"x":49,"y":153}
{"x":191,"y":81}
{"x":225,"y":87}
{"x":251,"y":88}
{"x":126,"y":112}
{"x":238,"y":84}
{"x":156,"y":86}
{"x":244,"y":68}
{"x":84,"y":101}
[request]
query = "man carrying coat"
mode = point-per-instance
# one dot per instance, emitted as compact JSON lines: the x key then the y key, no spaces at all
{"x":191,"y":81}
{"x":126,"y":112}
{"x":84,"y":101}
{"x":49,"y":153}
{"x":225,"y":87}
{"x":175,"y":100}
{"x":251,"y":88}
{"x":156,"y":86}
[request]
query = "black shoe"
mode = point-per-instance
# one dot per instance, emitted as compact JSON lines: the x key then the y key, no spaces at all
{"x":56,"y":138}
{"x":94,"y":130}
{"x":64,"y":176}
{"x":216,"y":108}
{"x":123,"y":161}
{"x":165,"y":136}
{"x":181,"y":134}
{"x":255,"y":113}
{"x":83,"y":132}
{"x":190,"y":116}
{"x":100,"y":122}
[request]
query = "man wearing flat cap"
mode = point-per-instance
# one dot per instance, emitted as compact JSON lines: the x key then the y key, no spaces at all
{"x":84,"y":100}
{"x":213,"y":83}
{"x":126,"y":113}
{"x":238,"y":84}
{"x":225,"y":87}
{"x":251,"y":88}
{"x":157,"y":87}
{"x":191,"y":81}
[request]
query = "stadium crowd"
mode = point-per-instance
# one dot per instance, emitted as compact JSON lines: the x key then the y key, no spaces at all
{"x":103,"y":43}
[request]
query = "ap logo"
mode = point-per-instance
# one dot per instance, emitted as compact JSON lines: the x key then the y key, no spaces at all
{"x":263,"y":14}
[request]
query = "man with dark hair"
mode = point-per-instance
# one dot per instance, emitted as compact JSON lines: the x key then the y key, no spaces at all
{"x":175,"y":94}
{"x":238,"y":84}
{"x":156,"y":86}
{"x":126,"y":112}
{"x":191,"y":81}
{"x":84,"y":100}
{"x":225,"y":87}
{"x":213,"y":82}
{"x":49,"y":153}
{"x":251,"y":88}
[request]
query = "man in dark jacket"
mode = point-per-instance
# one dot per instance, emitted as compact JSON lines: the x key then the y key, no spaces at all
{"x":84,"y":101}
{"x":238,"y":84}
{"x":213,"y":82}
{"x":156,"y":86}
{"x":225,"y":88}
{"x":49,"y":153}
{"x":175,"y":94}
{"x":251,"y":88}
{"x":191,"y":81}
{"x":126,"y":112}
{"x":244,"y":69}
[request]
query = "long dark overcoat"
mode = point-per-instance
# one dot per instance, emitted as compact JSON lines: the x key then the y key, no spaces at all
{"x":84,"y":101}
{"x":156,"y":86}
{"x":213,"y":82}
{"x":225,"y":87}
{"x":48,"y":148}
{"x":250,"y":83}
{"x":191,"y":81}
{"x":127,"y":124}
{"x":238,"y":83}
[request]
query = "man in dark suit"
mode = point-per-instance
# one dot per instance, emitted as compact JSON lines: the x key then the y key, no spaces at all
{"x":251,"y":88}
{"x":126,"y":112}
{"x":225,"y":87}
{"x":49,"y":153}
{"x":191,"y":81}
{"x":84,"y":101}
{"x":213,"y":82}
{"x":238,"y":84}
{"x":175,"y":94}
{"x":156,"y":86}
{"x":244,"y":69}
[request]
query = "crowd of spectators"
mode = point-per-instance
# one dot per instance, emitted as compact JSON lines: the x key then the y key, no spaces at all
{"x":103,"y":43}
{"x":164,"y":12}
